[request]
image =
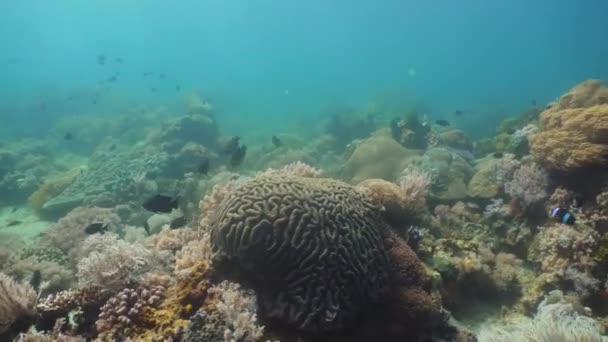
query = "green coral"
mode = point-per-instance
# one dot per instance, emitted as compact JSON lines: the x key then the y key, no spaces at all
{"x":49,"y":253}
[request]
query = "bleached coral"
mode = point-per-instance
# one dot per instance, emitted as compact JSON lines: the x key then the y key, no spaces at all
{"x":192,"y":254}
{"x":414,"y":189}
{"x":238,"y":310}
{"x":212,"y":200}
{"x":296,"y":168}
{"x":113,"y":263}
{"x":496,"y":209}
{"x":16,"y":301}
{"x":560,"y":245}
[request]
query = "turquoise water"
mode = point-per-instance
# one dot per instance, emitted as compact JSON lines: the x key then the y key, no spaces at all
{"x":310,"y":171}
{"x":292,"y":60}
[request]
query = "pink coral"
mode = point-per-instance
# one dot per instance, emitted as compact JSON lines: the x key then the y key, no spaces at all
{"x":125,"y":310}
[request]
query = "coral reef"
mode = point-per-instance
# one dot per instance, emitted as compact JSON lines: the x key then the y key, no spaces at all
{"x":528,"y":186}
{"x":376,"y":157}
{"x":72,"y":225}
{"x":556,"y":320}
{"x":123,"y":312}
{"x":17,"y":303}
{"x":574,"y":129}
{"x":112,"y":263}
{"x":341,"y":231}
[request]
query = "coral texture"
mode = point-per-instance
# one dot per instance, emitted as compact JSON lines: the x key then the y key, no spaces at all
{"x":528,"y":186}
{"x":17,"y":301}
{"x":113,"y":263}
{"x":574,"y":131}
{"x":312,"y":248}
{"x":123,"y":312}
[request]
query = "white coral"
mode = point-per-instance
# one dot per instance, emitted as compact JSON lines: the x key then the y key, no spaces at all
{"x":16,"y":300}
{"x":112,"y":262}
{"x":555,"y":321}
{"x":237,"y":307}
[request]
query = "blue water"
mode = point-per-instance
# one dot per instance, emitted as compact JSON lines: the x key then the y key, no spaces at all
{"x":269,"y":65}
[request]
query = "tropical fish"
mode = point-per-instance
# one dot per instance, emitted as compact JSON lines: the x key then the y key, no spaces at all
{"x":497,"y":155}
{"x":458,"y":112}
{"x":161,"y":204}
{"x":203,"y":167}
{"x":13,"y":223}
{"x":95,"y":228}
{"x":36,"y":279}
{"x":68,"y":136}
{"x":563,"y":215}
{"x":443,"y":123}
{"x":276,"y":141}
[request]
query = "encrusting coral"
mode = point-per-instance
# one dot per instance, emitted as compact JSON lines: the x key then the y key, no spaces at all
{"x":574,"y":130}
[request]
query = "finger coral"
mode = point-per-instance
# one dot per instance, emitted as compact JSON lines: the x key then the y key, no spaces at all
{"x":313,"y":248}
{"x":574,"y":131}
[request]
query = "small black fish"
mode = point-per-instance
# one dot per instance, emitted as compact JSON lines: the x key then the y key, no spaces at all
{"x":162,"y":76}
{"x":237,"y":157}
{"x":95,"y":228}
{"x":161,"y":204}
{"x":94,"y":102}
{"x":112,"y":147}
{"x":203,"y":167}
{"x":497,"y":155}
{"x":178,"y":88}
{"x":458,"y":113}
{"x":118,"y":60}
{"x":101,"y":59}
{"x":148,"y":73}
{"x":113,"y":78}
{"x":36,"y":279}
{"x":153,"y":89}
{"x":68,"y":136}
{"x":232,"y":145}
{"x":563,"y":215}
{"x":443,"y":123}
{"x":276,"y":141}
{"x":178,"y":222}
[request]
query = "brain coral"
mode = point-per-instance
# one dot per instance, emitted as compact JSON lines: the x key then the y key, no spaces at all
{"x":574,"y":130}
{"x":312,"y":249}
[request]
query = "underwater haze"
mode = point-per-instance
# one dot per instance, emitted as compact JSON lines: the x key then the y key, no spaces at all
{"x":267,"y":60}
{"x":303,"y":171}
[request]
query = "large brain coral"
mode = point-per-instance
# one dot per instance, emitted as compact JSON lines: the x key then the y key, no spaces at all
{"x":312,"y":248}
{"x":574,"y":130}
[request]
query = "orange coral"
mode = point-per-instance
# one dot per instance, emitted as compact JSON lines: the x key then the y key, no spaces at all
{"x":574,"y":131}
{"x":52,"y":187}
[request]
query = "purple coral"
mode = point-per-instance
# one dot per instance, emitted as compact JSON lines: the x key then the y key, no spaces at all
{"x":528,"y":185}
{"x":125,"y":309}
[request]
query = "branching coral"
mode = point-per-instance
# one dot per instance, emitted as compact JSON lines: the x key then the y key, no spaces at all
{"x":17,"y":303}
{"x":574,"y":131}
{"x":123,"y":313}
{"x":297,"y":168}
{"x":237,"y":308}
{"x":559,"y":246}
{"x":528,"y":186}
{"x":113,"y":263}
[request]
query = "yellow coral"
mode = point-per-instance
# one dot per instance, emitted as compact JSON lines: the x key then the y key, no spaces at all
{"x":51,"y":188}
{"x":574,"y":131}
{"x":182,"y":300}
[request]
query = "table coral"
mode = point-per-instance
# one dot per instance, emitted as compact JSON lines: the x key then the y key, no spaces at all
{"x":574,"y":131}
